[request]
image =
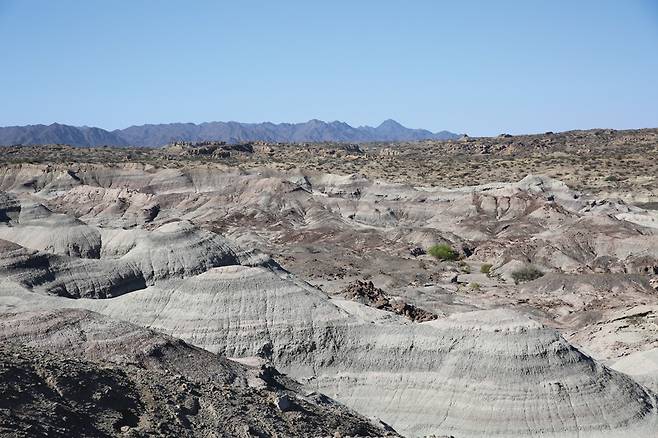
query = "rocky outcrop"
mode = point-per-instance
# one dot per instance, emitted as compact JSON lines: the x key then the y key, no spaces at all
{"x":366,"y":293}
{"x":75,"y":372}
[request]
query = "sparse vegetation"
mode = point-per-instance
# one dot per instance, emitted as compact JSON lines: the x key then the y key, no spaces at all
{"x":486,"y":268}
{"x":443,"y":252}
{"x":586,"y":161}
{"x":526,"y":273}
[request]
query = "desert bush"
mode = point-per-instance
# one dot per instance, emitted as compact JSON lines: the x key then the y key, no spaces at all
{"x":443,"y":252}
{"x":486,"y":268}
{"x":527,"y":273}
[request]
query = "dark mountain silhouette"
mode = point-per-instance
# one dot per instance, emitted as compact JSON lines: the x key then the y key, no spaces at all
{"x":58,"y":133}
{"x":311,"y":131}
{"x":232,"y":132}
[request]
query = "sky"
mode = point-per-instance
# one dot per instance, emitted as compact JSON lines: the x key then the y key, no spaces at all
{"x":476,"y":67}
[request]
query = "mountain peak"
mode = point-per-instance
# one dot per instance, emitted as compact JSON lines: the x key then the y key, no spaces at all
{"x":390,"y":123}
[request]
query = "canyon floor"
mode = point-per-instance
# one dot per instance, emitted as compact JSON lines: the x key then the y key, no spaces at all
{"x":290,"y":289}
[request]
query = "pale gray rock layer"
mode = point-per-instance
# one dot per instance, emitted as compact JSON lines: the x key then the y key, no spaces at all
{"x":487,"y":373}
{"x":140,"y":382}
{"x":475,"y":374}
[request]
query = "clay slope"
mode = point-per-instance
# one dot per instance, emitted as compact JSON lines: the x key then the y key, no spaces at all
{"x":75,"y":372}
{"x":60,"y":255}
{"x":474,"y":374}
{"x":187,"y":244}
{"x":538,"y":218}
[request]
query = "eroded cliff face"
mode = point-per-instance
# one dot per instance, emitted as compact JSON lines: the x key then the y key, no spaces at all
{"x":245,"y":264}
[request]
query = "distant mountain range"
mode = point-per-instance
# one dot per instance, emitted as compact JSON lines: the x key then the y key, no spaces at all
{"x":231,"y":132}
{"x":57,"y":133}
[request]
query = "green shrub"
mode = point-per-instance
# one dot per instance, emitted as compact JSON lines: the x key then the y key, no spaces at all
{"x":443,"y":252}
{"x":527,"y":273}
{"x":474,"y":286}
{"x":486,"y":268}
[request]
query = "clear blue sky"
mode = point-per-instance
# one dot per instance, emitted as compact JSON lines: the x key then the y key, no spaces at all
{"x":480,"y":67}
